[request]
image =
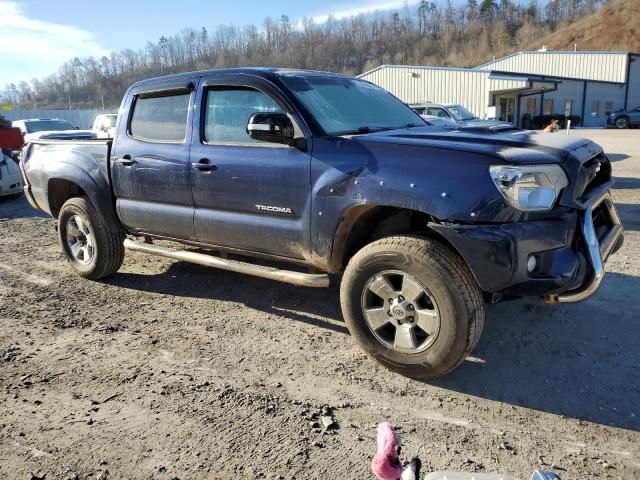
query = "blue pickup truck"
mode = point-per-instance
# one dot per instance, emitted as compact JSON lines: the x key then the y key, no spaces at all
{"x":322,"y":174}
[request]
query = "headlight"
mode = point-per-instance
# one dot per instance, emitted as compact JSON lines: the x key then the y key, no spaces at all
{"x":529,"y":188}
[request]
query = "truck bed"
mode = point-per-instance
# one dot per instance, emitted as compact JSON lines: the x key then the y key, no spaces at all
{"x":43,"y":160}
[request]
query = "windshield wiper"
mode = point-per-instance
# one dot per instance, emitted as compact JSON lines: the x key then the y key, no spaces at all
{"x":369,"y":129}
{"x":363,"y":129}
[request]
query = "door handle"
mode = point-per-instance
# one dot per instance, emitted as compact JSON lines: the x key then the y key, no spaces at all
{"x":204,"y":165}
{"x":125,"y":160}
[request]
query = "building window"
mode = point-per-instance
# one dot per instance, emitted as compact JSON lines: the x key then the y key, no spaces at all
{"x":595,"y":106}
{"x":568,"y":106}
{"x":531,"y":106}
{"x":547,"y":106}
{"x":608,"y":108}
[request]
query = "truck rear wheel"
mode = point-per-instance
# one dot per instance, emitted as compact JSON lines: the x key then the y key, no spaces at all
{"x":91,"y":248}
{"x":412,"y":305}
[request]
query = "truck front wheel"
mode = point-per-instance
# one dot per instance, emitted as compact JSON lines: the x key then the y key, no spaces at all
{"x":91,"y":248}
{"x":412,"y":305}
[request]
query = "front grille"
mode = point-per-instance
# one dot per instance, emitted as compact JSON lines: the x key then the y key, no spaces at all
{"x":593,"y":173}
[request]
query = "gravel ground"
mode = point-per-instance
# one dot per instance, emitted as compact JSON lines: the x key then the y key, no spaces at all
{"x":171,"y":370}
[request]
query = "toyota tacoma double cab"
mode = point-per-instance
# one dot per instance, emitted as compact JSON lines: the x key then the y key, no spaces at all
{"x":322,"y":174}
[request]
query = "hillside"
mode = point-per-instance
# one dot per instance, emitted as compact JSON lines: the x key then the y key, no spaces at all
{"x":614,"y":27}
{"x":427,"y":33}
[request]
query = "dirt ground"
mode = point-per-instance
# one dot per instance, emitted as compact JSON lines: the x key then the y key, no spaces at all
{"x":170,"y":370}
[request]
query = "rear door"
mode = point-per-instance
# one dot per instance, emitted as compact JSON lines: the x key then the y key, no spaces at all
{"x":150,"y":167}
{"x":249,"y":195}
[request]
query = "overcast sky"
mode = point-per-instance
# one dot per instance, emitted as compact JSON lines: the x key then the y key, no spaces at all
{"x":38,"y":36}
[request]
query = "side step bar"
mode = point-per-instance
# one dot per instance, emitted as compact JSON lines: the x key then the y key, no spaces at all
{"x":286,"y":276}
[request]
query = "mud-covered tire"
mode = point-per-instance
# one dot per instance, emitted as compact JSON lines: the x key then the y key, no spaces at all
{"x":107,"y":249}
{"x":450,"y":285}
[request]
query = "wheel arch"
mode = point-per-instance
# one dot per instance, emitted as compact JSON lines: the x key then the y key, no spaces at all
{"x":59,"y":191}
{"x":61,"y":188}
{"x":363,"y":224}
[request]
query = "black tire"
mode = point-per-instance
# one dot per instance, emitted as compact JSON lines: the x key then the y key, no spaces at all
{"x":450,"y":285}
{"x":107,"y":246}
{"x":622,"y":122}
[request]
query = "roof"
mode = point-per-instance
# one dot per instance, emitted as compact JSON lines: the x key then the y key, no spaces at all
{"x":264,"y":72}
{"x":563,"y":64}
{"x":582,"y":65}
{"x":549,"y":52}
{"x":420,"y":67}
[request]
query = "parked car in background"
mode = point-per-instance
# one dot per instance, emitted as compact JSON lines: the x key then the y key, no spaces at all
{"x":50,"y":129}
{"x":104,"y":125}
{"x":454,"y":113}
{"x":437,"y":120}
{"x":10,"y":177}
{"x":624,"y":118}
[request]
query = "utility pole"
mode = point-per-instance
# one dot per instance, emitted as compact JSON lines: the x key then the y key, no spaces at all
{"x":102,"y":98}
{"x":69,"y":102}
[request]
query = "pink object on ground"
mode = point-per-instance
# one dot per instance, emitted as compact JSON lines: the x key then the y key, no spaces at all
{"x":386,"y":464}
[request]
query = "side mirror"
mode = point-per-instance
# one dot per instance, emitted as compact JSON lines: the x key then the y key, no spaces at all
{"x":271,"y":127}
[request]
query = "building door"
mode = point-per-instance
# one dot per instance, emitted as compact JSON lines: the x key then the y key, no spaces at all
{"x":507,"y":109}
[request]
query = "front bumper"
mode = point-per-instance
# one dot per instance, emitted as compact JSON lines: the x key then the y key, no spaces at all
{"x":598,"y":245}
{"x":570,"y":251}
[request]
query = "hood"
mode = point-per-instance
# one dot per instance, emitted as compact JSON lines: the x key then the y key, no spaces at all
{"x":60,"y":135}
{"x":478,"y":123}
{"x":502,"y":141}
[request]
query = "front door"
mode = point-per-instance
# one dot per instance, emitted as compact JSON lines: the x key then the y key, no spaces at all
{"x":248,"y":195}
{"x":150,"y":164}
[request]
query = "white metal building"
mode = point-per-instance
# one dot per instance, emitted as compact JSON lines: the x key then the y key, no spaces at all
{"x":584,"y":84}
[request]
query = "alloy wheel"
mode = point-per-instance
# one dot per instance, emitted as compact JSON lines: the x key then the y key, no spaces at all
{"x":80,"y":239}
{"x":400,"y":312}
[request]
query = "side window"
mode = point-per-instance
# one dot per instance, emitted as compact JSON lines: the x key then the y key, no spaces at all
{"x":547,"y":106}
{"x":160,"y":119}
{"x":228,"y":110}
{"x":437,"y":112}
{"x":595,"y":107}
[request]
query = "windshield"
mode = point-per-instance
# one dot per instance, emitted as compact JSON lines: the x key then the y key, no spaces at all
{"x":48,"y":126}
{"x":460,"y":113}
{"x":347,"y":105}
